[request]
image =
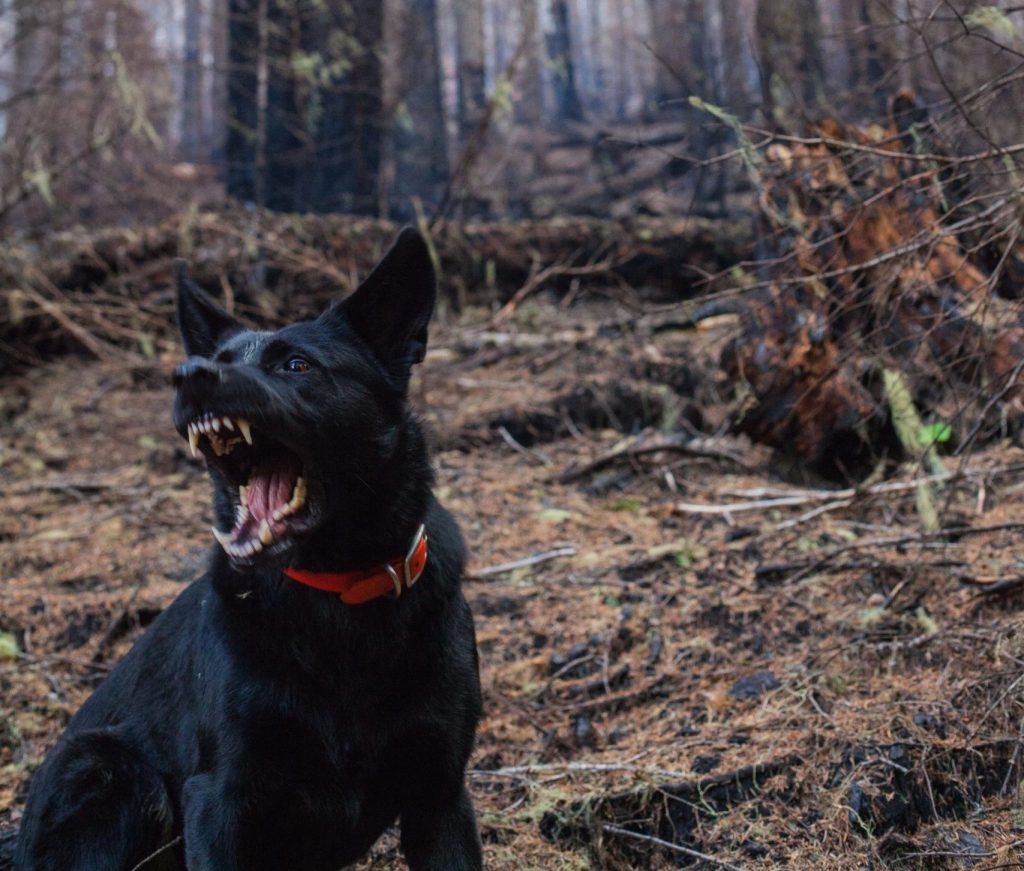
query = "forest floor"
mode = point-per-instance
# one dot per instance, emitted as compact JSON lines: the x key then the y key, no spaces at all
{"x":814,"y":685}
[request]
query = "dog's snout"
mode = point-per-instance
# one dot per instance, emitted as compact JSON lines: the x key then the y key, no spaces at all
{"x":197,"y":371}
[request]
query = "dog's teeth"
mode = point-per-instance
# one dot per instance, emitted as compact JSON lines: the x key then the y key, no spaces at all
{"x":215,"y":423}
{"x":243,"y":495}
{"x":223,"y":539}
{"x":193,"y":441}
{"x":299,"y":496}
{"x":280,"y":514}
{"x":243,"y":426}
{"x":241,"y":514}
{"x":227,"y":423}
{"x":266,"y":536}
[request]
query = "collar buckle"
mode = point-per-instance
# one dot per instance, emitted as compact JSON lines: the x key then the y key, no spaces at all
{"x":410,"y":578}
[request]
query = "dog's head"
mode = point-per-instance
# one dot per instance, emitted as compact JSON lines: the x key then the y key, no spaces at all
{"x":297,"y":425}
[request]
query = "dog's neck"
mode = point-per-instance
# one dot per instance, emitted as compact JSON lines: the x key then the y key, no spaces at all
{"x":380,"y":517}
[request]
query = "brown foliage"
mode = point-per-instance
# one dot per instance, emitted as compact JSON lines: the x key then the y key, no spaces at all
{"x":886,"y":257}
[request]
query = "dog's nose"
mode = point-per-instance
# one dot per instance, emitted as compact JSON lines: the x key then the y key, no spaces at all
{"x":197,"y":371}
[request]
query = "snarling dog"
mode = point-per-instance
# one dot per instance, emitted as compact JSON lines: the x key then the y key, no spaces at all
{"x":320,"y":681}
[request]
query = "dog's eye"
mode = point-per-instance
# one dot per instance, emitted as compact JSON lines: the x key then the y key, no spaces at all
{"x":297,"y":364}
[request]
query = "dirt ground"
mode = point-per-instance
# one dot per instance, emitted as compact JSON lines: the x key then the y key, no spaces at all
{"x":811,"y":686}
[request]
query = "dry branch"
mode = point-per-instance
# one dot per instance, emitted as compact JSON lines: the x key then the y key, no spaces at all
{"x":111,"y":290}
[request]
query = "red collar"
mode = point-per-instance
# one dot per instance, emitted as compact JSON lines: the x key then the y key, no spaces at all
{"x":365,"y":585}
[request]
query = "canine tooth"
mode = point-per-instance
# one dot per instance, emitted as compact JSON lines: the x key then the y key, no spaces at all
{"x":227,"y":423}
{"x":243,"y":495}
{"x":266,"y":536}
{"x":193,"y":441}
{"x":223,"y":539}
{"x":299,"y":496}
{"x":243,"y":425}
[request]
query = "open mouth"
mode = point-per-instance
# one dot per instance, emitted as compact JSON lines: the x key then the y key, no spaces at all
{"x":265,"y":479}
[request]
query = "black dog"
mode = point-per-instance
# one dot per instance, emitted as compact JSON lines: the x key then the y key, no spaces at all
{"x":268,"y":721}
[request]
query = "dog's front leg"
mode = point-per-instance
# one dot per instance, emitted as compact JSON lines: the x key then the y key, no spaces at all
{"x":211,"y":833}
{"x":442,"y":836}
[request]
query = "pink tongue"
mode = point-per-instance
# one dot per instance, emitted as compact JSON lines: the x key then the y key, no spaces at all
{"x":270,"y":489}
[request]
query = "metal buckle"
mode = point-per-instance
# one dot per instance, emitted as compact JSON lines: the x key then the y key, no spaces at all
{"x":420,"y":535}
{"x":394,"y":579}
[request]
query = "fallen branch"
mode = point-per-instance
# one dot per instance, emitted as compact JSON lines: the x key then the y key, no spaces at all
{"x":668,"y":845}
{"x":897,"y":540}
{"x":510,"y":440}
{"x":156,"y":853}
{"x":503,"y":568}
{"x":805,"y":497}
{"x":641,"y":445}
{"x":539,"y":278}
{"x":574,"y":768}
{"x":673,"y":810}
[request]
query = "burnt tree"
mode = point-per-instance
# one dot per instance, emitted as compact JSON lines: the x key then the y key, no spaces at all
{"x":418,"y":140}
{"x":567,"y":98}
{"x":471,"y":54}
{"x":304,"y":103}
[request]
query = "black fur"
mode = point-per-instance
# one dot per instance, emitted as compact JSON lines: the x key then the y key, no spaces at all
{"x":269,"y":724}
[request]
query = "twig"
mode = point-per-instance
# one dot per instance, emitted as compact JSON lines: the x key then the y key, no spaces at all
{"x":896,"y":541}
{"x":576,"y":767}
{"x":541,"y":277}
{"x":698,"y":447}
{"x":156,"y":853}
{"x":668,"y":845}
{"x":96,"y":347}
{"x":502,"y":568}
{"x":519,"y":448}
{"x":805,"y":497}
{"x":815,"y":512}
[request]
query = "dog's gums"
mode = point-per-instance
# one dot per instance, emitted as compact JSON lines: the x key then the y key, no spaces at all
{"x":274,"y":491}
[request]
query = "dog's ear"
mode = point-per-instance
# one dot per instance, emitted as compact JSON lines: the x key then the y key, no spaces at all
{"x":391,"y":309}
{"x":201,"y":321}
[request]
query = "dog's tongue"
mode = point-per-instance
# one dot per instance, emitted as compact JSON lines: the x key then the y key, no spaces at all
{"x":270,"y":490}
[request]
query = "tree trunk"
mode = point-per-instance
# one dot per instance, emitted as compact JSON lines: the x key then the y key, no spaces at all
{"x":471,"y":77}
{"x":789,"y":46}
{"x":192,"y":84}
{"x":304,"y":100}
{"x":417,"y":131}
{"x":215,"y":129}
{"x":672,"y":48}
{"x":240,"y":142}
{"x":38,"y":32}
{"x":567,"y":98}
{"x":529,"y":107}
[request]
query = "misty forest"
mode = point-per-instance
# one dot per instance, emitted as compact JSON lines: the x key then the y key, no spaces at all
{"x":724,"y":386}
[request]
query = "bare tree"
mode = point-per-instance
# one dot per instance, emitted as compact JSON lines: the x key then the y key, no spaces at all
{"x":192,"y":83}
{"x":418,"y":140}
{"x":560,"y":55}
{"x":470,"y":57}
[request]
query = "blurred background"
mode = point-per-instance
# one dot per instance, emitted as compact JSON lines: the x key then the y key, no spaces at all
{"x":113,"y":110}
